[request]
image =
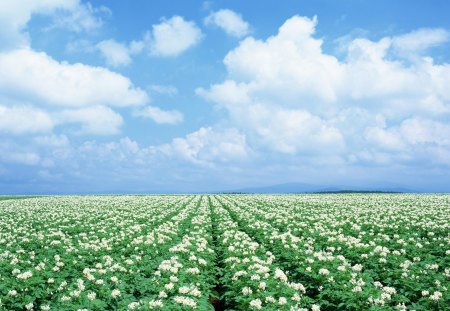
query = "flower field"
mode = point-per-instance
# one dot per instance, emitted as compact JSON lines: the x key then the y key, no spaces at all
{"x":226,"y":252}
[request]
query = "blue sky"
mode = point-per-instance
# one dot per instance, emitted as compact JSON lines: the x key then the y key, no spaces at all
{"x":160,"y":96}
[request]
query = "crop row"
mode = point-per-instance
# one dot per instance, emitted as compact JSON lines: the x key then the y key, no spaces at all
{"x":225,"y":252}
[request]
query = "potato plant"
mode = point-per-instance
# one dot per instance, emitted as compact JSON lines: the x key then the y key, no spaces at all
{"x":226,"y":252}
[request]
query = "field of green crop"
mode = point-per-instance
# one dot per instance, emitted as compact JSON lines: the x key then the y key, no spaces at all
{"x":226,"y":252}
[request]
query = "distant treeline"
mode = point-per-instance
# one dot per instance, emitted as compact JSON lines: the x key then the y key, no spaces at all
{"x":319,"y":192}
{"x":355,"y":191}
{"x":15,"y":197}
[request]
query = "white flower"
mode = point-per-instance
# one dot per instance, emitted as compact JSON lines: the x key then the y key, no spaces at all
{"x":196,"y":292}
{"x":185,"y":301}
{"x":357,"y":267}
{"x":115,"y":293}
{"x":425,"y":293}
{"x":80,"y":284}
{"x":12,"y":293}
{"x":256,"y":303}
{"x":324,"y":271}
{"x":270,"y":299}
{"x":114,"y":279}
{"x":436,"y":295}
{"x":262,"y":285}
{"x":153,"y":304}
{"x":25,"y":275}
{"x":29,"y":306}
{"x":193,"y":270}
{"x":378,"y":284}
{"x":133,"y":305}
{"x":315,"y":308}
{"x":91,"y":296}
{"x":246,"y":291}
{"x":279,"y":274}
{"x":389,"y":290}
{"x":45,"y":307}
{"x":357,"y":289}
{"x":168,"y":286}
{"x":282,"y":301}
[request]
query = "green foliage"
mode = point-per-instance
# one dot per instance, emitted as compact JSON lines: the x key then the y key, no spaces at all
{"x":234,"y":252}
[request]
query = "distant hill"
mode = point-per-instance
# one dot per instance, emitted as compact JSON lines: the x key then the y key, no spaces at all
{"x":310,"y":188}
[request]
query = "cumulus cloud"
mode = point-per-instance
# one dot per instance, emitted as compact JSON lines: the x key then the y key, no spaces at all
{"x":118,"y":54}
{"x":411,"y":132}
{"x":173,"y":36}
{"x":169,"y":38}
{"x":24,"y":120}
{"x":27,"y":158}
{"x":98,"y":120}
{"x":72,"y":14}
{"x":287,"y":105}
{"x":29,"y":75}
{"x":231,"y":22}
{"x":160,"y":116}
{"x":287,"y":95}
{"x":52,"y":140}
{"x":207,"y":146}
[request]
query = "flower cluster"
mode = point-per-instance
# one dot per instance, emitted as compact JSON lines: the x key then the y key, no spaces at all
{"x":244,"y":252}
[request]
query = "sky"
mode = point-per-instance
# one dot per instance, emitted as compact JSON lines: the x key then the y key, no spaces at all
{"x":189,"y":96}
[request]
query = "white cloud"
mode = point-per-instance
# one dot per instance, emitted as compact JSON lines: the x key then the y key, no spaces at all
{"x":421,"y":39}
{"x":115,"y":53}
{"x":418,"y":131}
{"x":30,"y":75}
{"x":290,"y":64}
{"x":207,"y":146}
{"x":173,"y":36}
{"x":27,"y":158}
{"x":24,"y":119}
{"x":160,"y":116}
{"x":82,"y":17}
{"x":414,"y":139}
{"x":118,"y":54}
{"x":52,"y":141}
{"x":98,"y":120}
{"x":380,"y":138}
{"x":231,"y":22}
{"x":164,"y":89}
{"x":169,"y":38}
{"x":14,"y":16}
{"x":287,"y":95}
{"x":292,"y":131}
{"x":80,"y":45}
